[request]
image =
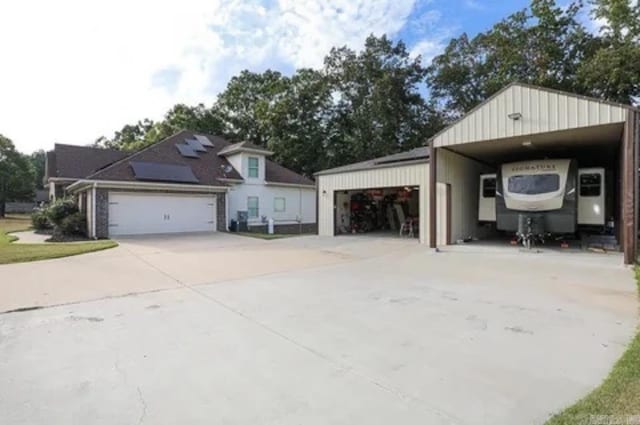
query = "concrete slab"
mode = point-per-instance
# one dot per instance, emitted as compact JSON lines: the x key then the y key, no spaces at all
{"x":402,"y":336}
{"x":30,"y":236}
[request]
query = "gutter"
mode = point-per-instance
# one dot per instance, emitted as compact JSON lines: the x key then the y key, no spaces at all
{"x":301,"y":186}
{"x":112,"y":184}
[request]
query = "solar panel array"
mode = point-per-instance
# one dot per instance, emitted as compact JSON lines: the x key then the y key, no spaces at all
{"x":154,"y":171}
{"x":204,"y":141}
{"x":186,"y":151}
{"x":195,"y":145}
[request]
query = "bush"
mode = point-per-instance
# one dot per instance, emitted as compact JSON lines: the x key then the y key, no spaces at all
{"x":61,"y":209}
{"x":40,"y":221}
{"x":73,"y":225}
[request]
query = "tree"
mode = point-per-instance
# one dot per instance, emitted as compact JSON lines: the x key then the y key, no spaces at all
{"x":378,"y":108}
{"x":544,"y":45}
{"x":298,"y":122}
{"x":37,"y":160}
{"x":246,"y":101}
{"x":16,"y":175}
{"x":613,"y":71}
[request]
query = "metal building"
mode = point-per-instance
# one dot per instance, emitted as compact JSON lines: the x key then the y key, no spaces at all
{"x":517,"y":123}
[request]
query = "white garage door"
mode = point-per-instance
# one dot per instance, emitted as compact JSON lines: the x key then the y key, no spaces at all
{"x":137,"y":214}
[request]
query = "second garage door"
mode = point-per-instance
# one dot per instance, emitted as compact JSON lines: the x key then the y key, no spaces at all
{"x":137,"y":214}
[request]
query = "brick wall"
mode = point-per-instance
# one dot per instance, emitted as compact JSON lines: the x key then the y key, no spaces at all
{"x":102,"y":213}
{"x":221,"y":212}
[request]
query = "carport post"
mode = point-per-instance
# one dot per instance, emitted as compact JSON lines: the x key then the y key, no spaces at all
{"x":433,"y":174}
{"x":629,"y":183}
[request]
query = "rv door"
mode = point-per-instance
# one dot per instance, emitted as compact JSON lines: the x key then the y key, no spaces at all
{"x":591,"y":196}
{"x":487,"y":198}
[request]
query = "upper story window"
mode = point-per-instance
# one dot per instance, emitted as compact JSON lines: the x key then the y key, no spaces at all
{"x":254,"y":167}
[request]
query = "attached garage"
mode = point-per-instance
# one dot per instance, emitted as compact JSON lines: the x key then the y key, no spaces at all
{"x":133,"y":213}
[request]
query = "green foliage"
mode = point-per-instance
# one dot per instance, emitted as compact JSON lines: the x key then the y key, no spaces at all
{"x":543,"y":45}
{"x":16,"y":175}
{"x":40,"y":220}
{"x":60,"y":209}
{"x":37,"y":160}
{"x":73,"y":225}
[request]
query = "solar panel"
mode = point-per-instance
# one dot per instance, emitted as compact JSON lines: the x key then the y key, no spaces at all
{"x":155,"y":171}
{"x":186,"y":151}
{"x":204,"y":141}
{"x":195,"y":145}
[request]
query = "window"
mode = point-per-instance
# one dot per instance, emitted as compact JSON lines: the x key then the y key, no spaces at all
{"x":252,"y":206}
{"x":279,"y":204}
{"x":534,"y":184}
{"x":590,"y":184}
{"x":489,"y":187}
{"x":253,"y":167}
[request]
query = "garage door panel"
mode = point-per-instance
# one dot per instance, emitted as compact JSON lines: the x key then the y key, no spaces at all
{"x":136,"y":214}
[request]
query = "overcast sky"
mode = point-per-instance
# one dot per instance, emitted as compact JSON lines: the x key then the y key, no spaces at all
{"x":72,"y":70}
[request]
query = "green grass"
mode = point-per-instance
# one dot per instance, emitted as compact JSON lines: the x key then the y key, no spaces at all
{"x":20,"y":253}
{"x":619,"y":395}
{"x":264,"y":235}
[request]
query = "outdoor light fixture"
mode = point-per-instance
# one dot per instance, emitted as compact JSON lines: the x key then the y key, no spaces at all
{"x":527,"y":144}
{"x":515,"y":116}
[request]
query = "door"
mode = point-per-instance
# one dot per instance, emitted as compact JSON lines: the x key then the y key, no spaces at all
{"x":138,"y":214}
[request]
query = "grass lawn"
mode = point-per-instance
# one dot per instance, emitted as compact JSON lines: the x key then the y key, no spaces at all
{"x":264,"y":235}
{"x":19,"y":253}
{"x":617,"y":400}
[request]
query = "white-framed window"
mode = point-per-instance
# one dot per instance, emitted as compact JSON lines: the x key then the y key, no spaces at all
{"x":254,"y":167}
{"x":253,"y":206}
{"x":279,"y":204}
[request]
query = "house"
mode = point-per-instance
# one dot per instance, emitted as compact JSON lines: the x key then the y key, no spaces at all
{"x":186,"y":183}
{"x":438,"y":189}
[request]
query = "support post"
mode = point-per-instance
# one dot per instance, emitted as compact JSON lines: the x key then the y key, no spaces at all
{"x":629,"y":183}
{"x":433,"y":210}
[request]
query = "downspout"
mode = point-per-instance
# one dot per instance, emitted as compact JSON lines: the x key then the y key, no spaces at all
{"x":300,"y":211}
{"x":94,"y":209}
{"x":227,"y":219}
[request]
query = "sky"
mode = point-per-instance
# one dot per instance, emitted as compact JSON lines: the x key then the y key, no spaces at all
{"x":74,"y":70}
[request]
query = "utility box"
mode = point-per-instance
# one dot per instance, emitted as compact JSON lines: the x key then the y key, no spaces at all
{"x":243,"y":221}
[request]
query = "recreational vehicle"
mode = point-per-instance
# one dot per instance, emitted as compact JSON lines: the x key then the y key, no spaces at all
{"x":534,"y":199}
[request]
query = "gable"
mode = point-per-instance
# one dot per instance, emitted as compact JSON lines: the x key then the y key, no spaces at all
{"x":542,"y":110}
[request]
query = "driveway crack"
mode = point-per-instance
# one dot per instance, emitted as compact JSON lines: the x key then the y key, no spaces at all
{"x":143,"y":403}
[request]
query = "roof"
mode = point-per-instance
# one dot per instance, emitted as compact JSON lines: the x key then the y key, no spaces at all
{"x":541,"y":110}
{"x":243,"y":147}
{"x":276,"y":173}
{"x":76,"y":162}
{"x":210,"y":168}
{"x":414,"y":156}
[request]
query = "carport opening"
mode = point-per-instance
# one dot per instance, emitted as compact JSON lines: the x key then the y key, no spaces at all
{"x":393,"y":212}
{"x":594,"y":152}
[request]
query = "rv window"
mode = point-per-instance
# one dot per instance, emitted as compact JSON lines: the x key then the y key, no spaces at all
{"x":489,"y":187}
{"x":534,"y":184}
{"x":590,"y":184}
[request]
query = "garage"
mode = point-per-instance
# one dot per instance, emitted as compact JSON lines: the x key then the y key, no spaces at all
{"x":531,"y":166}
{"x":383,"y":197}
{"x":147,"y":213}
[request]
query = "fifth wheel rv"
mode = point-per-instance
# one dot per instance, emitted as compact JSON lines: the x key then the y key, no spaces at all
{"x":539,"y":198}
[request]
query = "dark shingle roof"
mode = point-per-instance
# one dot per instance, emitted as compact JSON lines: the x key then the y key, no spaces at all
{"x":413,"y":156}
{"x":208,"y":167}
{"x":276,"y":173}
{"x":76,"y":162}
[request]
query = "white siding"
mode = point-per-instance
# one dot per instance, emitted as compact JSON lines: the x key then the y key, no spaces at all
{"x":542,"y":111}
{"x":408,"y":175}
{"x":463,"y":175}
{"x":300,"y":203}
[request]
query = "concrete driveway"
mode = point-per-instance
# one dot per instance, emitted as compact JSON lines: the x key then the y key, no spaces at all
{"x":322,"y":331}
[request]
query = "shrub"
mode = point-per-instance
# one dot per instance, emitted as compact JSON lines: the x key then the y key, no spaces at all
{"x":39,"y":220}
{"x":61,"y":209}
{"x":73,"y":225}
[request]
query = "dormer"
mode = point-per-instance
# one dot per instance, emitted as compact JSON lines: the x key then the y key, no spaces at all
{"x":248,"y":159}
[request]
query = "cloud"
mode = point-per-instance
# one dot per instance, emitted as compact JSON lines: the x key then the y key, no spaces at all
{"x":77,"y":70}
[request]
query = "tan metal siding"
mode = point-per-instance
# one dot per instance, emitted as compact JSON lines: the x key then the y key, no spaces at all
{"x":542,"y":111}
{"x":409,"y":175}
{"x":463,"y":175}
